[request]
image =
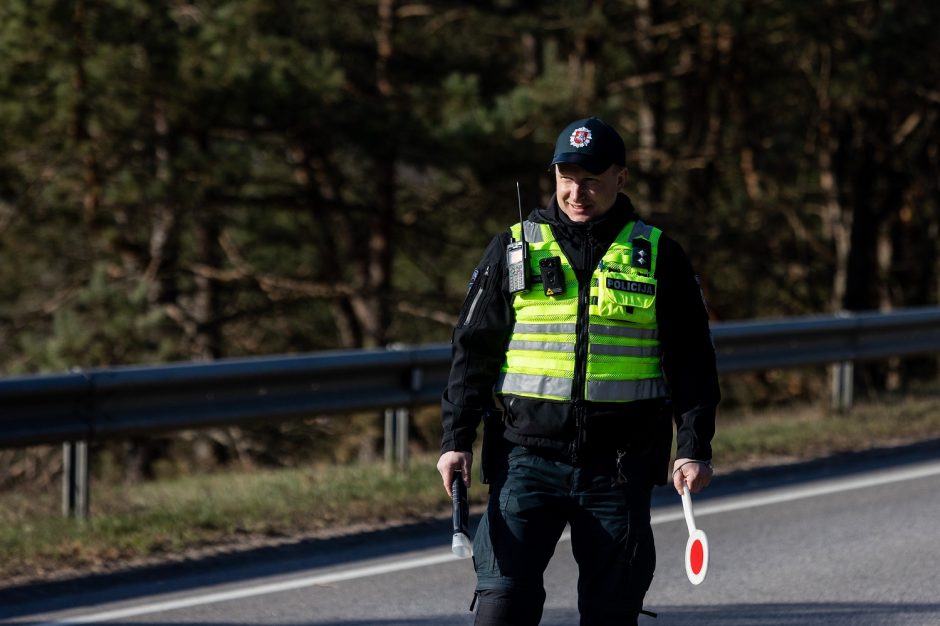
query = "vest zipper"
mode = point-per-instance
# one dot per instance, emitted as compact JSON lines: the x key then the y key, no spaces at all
{"x":476,"y":297}
{"x":582,"y":339}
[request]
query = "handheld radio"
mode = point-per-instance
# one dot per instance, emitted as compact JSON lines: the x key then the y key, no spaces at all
{"x":517,"y":256}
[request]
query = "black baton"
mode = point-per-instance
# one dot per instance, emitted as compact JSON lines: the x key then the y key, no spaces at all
{"x":460,"y":545}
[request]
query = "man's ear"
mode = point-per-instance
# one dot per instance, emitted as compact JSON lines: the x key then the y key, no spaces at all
{"x":622,"y":177}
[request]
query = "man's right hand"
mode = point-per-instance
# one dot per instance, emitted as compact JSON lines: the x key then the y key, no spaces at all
{"x":452,"y":462}
{"x":695,"y":474}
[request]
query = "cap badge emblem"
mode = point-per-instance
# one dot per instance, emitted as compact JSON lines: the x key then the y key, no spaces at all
{"x":580,"y":138}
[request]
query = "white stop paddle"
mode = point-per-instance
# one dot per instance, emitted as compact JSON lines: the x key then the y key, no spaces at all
{"x":696,"y":549}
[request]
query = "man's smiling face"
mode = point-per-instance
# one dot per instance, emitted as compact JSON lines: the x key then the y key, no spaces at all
{"x":584,"y":196}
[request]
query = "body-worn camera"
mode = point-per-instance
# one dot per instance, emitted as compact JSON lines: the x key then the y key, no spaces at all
{"x":553,"y":276}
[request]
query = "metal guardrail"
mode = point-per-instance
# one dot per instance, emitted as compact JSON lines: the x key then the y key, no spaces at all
{"x":88,"y":405}
{"x":823,"y":339}
{"x":122,"y":401}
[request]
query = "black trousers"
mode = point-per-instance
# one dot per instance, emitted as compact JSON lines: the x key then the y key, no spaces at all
{"x":611,"y":539}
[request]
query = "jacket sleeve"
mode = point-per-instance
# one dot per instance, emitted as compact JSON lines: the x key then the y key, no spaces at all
{"x":478,"y":349}
{"x":688,"y":352}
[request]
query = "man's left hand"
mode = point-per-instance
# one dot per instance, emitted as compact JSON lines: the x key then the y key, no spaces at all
{"x":695,"y":474}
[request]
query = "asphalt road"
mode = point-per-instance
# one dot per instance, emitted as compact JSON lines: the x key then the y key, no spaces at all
{"x":849,"y":541}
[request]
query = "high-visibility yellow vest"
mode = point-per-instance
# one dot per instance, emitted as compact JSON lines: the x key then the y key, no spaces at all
{"x":623,"y":354}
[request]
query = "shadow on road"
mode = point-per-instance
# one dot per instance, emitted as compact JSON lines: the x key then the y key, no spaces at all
{"x":811,"y":614}
{"x":772,"y":614}
{"x":303,"y":555}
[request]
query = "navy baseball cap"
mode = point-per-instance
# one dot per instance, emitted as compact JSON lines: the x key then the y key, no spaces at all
{"x":590,"y":143}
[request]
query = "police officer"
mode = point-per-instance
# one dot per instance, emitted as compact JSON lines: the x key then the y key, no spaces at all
{"x":578,"y":376}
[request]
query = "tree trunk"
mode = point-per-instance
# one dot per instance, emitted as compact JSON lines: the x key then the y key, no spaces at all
{"x":650,"y":105}
{"x":91,"y":195}
{"x":837,"y":223}
{"x":373,"y":305}
{"x":207,"y":343}
{"x":163,"y":245}
{"x":860,"y":265}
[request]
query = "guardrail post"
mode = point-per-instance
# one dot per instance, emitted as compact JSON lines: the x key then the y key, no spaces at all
{"x":389,"y":437}
{"x":396,"y":437}
{"x":842,"y":386}
{"x":396,"y":425}
{"x":75,"y":479}
{"x":401,"y":436}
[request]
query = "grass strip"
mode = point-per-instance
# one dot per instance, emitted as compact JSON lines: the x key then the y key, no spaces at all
{"x":201,"y":514}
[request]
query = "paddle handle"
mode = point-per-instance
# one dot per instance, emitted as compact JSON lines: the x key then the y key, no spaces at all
{"x":687,"y":509}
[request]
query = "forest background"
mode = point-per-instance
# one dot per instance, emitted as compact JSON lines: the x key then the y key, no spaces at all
{"x":194,"y":180}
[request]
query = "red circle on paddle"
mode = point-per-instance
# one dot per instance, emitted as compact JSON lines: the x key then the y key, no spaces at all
{"x":697,"y":557}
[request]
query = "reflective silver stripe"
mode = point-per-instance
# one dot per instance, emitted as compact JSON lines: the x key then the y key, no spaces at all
{"x":641,"y":230}
{"x":548,"y":346}
{"x":625,"y":390}
{"x":557,"y":329}
{"x":533,"y":232}
{"x":624,"y":331}
{"x":551,"y":386}
{"x":476,"y":300}
{"x":608,"y":350}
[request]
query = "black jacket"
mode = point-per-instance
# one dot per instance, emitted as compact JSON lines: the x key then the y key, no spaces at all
{"x":580,"y":430}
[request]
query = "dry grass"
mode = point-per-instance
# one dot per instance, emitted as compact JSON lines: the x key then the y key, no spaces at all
{"x":201,"y":514}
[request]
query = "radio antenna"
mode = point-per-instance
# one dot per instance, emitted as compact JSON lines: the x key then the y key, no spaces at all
{"x":517,"y":256}
{"x":521,"y":222}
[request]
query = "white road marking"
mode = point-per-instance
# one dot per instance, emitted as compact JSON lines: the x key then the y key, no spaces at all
{"x":789,"y":494}
{"x":258,"y":590}
{"x":777,"y":496}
